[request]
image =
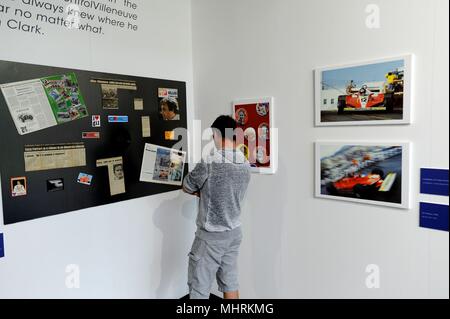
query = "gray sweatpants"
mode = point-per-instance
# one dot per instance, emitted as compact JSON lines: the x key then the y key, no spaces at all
{"x":214,"y":256}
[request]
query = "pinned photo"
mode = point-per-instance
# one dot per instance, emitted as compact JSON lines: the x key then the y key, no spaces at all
{"x":110,"y":91}
{"x":169,"y":107}
{"x":85,"y":179}
{"x":110,"y":104}
{"x":138,"y":104}
{"x":55,"y":185}
{"x":169,"y":135}
{"x":18,"y":186}
{"x":110,"y":97}
{"x":146,"y":128}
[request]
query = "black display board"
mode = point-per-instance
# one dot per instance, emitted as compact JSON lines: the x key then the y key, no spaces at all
{"x":123,"y":139}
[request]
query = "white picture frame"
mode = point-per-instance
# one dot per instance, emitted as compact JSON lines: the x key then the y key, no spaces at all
{"x":338,"y":75}
{"x":324,"y":150}
{"x":273,"y":158}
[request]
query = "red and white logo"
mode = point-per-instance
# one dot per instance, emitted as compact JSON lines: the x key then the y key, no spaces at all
{"x":96,"y":121}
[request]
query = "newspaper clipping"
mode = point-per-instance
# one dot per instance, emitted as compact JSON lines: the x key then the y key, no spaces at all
{"x":54,"y":156}
{"x":115,"y":173}
{"x":162,"y":165}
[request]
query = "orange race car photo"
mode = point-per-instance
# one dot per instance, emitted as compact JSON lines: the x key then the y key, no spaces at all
{"x":363,"y":185}
{"x":366,"y":99}
{"x":362,"y":172}
{"x":374,"y":98}
{"x":373,"y":92}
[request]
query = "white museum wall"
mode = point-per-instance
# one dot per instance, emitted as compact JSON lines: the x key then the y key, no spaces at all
{"x":297,"y":246}
{"x":133,"y":249}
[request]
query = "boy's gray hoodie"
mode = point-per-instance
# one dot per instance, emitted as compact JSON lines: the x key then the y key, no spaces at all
{"x":222,"y":180}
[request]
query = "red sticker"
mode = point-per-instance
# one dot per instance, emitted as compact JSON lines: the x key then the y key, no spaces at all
{"x":91,"y":135}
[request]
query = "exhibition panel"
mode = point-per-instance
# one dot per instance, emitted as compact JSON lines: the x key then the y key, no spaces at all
{"x":74,"y":139}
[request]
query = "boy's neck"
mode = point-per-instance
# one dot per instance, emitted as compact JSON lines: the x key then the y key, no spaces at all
{"x":227,"y":146}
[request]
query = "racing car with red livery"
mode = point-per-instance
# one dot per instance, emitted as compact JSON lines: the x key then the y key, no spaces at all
{"x":366,"y":99}
{"x":362,"y":185}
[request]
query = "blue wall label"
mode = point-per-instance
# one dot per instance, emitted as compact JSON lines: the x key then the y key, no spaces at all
{"x":434,"y":216}
{"x":2,"y":247}
{"x":434,"y":181}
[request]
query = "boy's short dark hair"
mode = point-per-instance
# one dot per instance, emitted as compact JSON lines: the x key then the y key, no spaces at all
{"x":226,"y":125}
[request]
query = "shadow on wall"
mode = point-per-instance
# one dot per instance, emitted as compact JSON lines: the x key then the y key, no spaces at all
{"x":177,"y":225}
{"x":266,"y":234}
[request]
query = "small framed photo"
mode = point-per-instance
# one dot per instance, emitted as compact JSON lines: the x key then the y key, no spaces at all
{"x":18,"y":186}
{"x":257,"y":136}
{"x":371,"y":173}
{"x":85,"y":179}
{"x":376,"y":92}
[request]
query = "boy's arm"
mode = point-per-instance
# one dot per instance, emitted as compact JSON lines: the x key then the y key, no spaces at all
{"x":195,"y":180}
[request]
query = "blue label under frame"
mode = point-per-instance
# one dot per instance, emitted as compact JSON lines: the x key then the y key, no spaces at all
{"x":434,"y":216}
{"x":2,"y":246}
{"x":434,"y":182}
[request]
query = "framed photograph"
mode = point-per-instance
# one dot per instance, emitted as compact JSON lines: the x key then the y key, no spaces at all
{"x":376,"y":92}
{"x":371,"y":173}
{"x":18,"y":186}
{"x":256,"y":136}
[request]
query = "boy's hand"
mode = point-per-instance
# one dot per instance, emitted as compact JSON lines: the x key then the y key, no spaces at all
{"x":194,"y":194}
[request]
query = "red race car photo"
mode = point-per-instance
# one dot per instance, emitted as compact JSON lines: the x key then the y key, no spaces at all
{"x":362,"y":185}
{"x":366,"y":99}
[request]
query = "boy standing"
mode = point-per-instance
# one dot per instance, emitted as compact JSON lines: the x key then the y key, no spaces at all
{"x":221,"y":182}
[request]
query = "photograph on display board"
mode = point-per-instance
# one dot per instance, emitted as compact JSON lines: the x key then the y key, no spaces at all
{"x":18,"y":186}
{"x":363,"y":172}
{"x":371,"y":93}
{"x":254,"y":119}
{"x":110,"y":91}
{"x":169,"y":106}
{"x":55,"y":185}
